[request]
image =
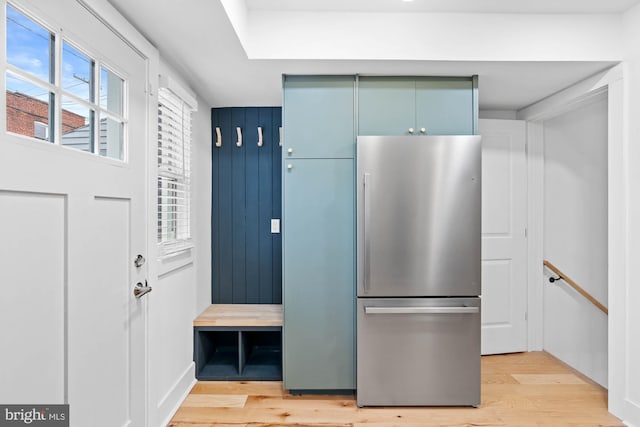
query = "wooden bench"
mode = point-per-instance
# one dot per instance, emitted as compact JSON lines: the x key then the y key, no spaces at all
{"x":240,"y":342}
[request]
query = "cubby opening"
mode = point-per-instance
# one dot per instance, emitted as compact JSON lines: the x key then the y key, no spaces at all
{"x":262,"y":354}
{"x":217,"y":354}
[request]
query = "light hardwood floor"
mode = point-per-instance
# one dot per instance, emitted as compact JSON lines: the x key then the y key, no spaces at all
{"x":524,"y":389}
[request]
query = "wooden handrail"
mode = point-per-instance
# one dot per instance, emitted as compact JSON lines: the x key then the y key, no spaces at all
{"x":575,"y":286}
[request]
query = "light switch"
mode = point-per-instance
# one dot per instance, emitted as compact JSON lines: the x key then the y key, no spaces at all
{"x":275,"y":226}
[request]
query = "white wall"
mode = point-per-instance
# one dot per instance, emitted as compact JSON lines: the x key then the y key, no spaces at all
{"x":181,"y":283}
{"x":494,"y":36}
{"x":201,"y":203}
{"x":575,"y":236}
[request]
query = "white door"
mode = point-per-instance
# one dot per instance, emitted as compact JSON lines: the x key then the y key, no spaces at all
{"x":71,"y":225}
{"x":504,"y":251}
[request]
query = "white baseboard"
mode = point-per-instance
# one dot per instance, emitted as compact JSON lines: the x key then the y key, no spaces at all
{"x":631,"y":414}
{"x":170,"y":403}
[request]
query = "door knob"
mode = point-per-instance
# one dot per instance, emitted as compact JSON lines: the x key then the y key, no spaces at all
{"x":411,"y":130}
{"x":139,"y":261}
{"x":141,"y":290}
{"x":423,"y":130}
{"x":289,"y":166}
{"x":290,"y":150}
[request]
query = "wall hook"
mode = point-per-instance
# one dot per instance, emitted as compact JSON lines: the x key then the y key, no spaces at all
{"x":555,"y":279}
{"x":280,"y":143}
{"x":239,"y":132}
{"x":218,"y":138}
{"x":259,"y":136}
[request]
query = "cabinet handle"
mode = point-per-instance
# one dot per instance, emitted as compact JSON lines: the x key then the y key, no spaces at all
{"x":411,"y":130}
{"x":289,"y":166}
{"x":423,"y":130}
{"x":366,"y":183}
{"x":280,"y":131}
{"x":421,"y":310}
{"x":290,"y":150}
{"x":259,"y":136}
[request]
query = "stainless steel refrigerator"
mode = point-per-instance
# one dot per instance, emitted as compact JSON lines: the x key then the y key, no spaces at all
{"x":418,"y":305}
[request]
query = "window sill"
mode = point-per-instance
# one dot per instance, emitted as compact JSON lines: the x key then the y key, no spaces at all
{"x":175,"y":261}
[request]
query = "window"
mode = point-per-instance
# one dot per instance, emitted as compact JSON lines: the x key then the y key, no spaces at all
{"x":41,"y":130}
{"x":174,"y":172}
{"x":67,"y":98}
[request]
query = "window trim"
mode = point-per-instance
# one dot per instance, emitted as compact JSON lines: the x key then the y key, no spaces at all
{"x":175,"y":94}
{"x":57,"y":92}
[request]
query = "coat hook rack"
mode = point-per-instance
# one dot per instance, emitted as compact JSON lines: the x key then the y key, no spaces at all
{"x":555,"y":279}
{"x":259,"y":136}
{"x":239,"y":132}
{"x":218,"y":138}
{"x":280,"y":143}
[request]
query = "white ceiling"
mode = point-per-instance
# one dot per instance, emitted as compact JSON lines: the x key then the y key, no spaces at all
{"x":198,"y":40}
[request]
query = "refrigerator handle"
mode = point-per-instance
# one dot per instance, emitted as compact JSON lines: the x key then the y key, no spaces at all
{"x":366,"y":182}
{"x":421,"y":310}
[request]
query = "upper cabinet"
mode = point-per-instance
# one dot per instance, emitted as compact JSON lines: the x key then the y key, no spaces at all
{"x":319,"y":118}
{"x":417,"y":106}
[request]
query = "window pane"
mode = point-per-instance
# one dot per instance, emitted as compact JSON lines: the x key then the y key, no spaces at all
{"x":28,"y":104}
{"x":112,"y":139}
{"x":77,"y":72}
{"x":77,"y":125}
{"x":29,"y":45}
{"x":111,"y":91}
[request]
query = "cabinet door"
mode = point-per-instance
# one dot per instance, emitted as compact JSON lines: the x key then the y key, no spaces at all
{"x":318,"y":286}
{"x":319,"y":116}
{"x":386,"y":105}
{"x":444,"y":106}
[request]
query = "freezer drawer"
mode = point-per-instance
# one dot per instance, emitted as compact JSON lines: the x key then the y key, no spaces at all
{"x":418,"y":352}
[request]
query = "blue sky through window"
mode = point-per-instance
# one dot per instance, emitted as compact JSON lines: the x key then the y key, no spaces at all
{"x":28,"y":48}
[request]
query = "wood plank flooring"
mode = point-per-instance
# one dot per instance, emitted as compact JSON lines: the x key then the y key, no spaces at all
{"x":524,"y":389}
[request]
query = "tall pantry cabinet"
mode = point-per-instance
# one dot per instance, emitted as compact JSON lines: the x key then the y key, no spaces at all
{"x":318,"y":232}
{"x":322,"y":115}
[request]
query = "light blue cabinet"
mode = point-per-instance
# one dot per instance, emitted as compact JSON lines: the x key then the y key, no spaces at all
{"x":318,"y":117}
{"x":318,"y":233}
{"x":318,"y":242}
{"x":386,"y":105}
{"x":421,"y":105}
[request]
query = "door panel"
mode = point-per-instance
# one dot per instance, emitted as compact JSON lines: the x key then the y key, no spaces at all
{"x":33,"y":275}
{"x":386,"y":106}
{"x":109,"y":283}
{"x":418,"y":216}
{"x":504,"y":207}
{"x":318,"y":224}
{"x":319,"y":108}
{"x":444,"y":106}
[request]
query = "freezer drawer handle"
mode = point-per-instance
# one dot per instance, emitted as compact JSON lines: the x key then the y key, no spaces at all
{"x":421,"y":310}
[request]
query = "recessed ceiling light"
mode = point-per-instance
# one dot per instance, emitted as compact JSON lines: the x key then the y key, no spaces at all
{"x":407,"y":1}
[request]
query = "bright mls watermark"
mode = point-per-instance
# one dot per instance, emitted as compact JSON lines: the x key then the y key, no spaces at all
{"x":34,"y":415}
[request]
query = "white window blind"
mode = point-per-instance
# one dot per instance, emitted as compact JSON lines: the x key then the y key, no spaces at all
{"x":174,"y":173}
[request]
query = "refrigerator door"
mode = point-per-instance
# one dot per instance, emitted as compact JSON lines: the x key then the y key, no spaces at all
{"x":418,"y":352}
{"x":418,"y":215}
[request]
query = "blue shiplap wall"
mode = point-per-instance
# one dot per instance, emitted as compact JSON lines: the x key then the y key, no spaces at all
{"x":246,"y":195}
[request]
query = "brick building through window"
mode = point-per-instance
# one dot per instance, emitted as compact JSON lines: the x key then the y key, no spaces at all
{"x":27,"y":115}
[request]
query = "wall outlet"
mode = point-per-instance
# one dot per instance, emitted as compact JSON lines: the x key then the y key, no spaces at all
{"x":275,"y":226}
